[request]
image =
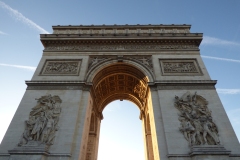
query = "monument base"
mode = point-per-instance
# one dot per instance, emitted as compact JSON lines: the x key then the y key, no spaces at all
{"x":32,"y":150}
{"x":209,"y":150}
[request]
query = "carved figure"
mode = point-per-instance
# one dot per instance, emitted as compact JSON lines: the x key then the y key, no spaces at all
{"x":43,"y":120}
{"x":196,"y":120}
{"x":61,"y":67}
{"x":38,"y":126}
{"x":170,"y":67}
{"x":94,"y":61}
{"x":187,"y":129}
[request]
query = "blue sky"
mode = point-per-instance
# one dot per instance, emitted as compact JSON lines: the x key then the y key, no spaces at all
{"x":21,"y":49}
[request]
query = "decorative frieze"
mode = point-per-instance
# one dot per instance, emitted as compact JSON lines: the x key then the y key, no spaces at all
{"x":80,"y":47}
{"x":144,"y":60}
{"x":197,"y":124}
{"x":179,"y":67}
{"x":95,"y":60}
{"x":42,"y":124}
{"x":121,"y":31}
{"x":61,"y":67}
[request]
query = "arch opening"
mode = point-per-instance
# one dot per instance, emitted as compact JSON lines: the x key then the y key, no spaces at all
{"x":121,"y":134}
{"x":119,"y":81}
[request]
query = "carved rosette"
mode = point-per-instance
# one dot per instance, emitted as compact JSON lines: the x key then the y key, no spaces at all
{"x":197,"y":125}
{"x":43,"y":120}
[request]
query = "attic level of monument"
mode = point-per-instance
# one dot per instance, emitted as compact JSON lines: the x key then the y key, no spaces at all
{"x":122,"y":38}
{"x":154,"y":28}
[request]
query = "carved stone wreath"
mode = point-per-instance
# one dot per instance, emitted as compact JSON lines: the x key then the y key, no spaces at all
{"x":197,"y":125}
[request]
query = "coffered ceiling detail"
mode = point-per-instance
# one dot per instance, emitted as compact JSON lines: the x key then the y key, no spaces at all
{"x":120,"y":82}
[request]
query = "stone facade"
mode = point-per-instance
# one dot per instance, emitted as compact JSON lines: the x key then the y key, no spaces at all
{"x":83,"y":68}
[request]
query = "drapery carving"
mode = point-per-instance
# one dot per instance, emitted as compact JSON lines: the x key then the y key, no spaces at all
{"x":197,"y":125}
{"x":43,"y":121}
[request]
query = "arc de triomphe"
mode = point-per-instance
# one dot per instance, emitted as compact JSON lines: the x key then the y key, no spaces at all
{"x":84,"y":68}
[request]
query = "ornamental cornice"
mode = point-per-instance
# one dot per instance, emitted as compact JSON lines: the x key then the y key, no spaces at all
{"x":73,"y":42}
{"x":58,"y":85}
{"x":183,"y":84}
{"x":213,"y":82}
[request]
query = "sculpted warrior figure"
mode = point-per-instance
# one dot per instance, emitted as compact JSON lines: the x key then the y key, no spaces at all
{"x":47,"y":129}
{"x":38,"y":127}
{"x":196,"y":121}
{"x":207,"y":130}
{"x":43,"y":120}
{"x":187,"y":129}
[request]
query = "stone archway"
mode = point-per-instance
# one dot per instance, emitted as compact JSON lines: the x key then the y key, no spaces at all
{"x":119,"y":81}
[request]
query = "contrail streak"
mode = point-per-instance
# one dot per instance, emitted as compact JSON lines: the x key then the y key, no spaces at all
{"x":228,"y":91}
{"x":3,"y":33}
{"x":221,"y":59}
{"x":23,"y":19}
{"x":19,"y":66}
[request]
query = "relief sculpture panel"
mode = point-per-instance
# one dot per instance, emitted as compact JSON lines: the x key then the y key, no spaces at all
{"x":181,"y":67}
{"x":196,"y":124}
{"x":43,"y":121}
{"x":61,"y":67}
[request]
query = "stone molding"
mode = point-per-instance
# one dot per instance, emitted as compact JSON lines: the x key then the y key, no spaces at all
{"x":58,"y":85}
{"x":177,"y":155}
{"x":157,"y":85}
{"x":184,"y":87}
{"x":209,"y":150}
{"x":205,"y":150}
{"x":183,"y":84}
{"x":180,"y":67}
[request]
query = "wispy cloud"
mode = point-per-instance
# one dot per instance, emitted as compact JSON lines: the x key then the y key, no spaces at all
{"x":18,"y":16}
{"x":19,"y":66}
{"x":228,"y":91}
{"x":221,"y":59}
{"x":215,"y":41}
{"x":3,"y":33}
